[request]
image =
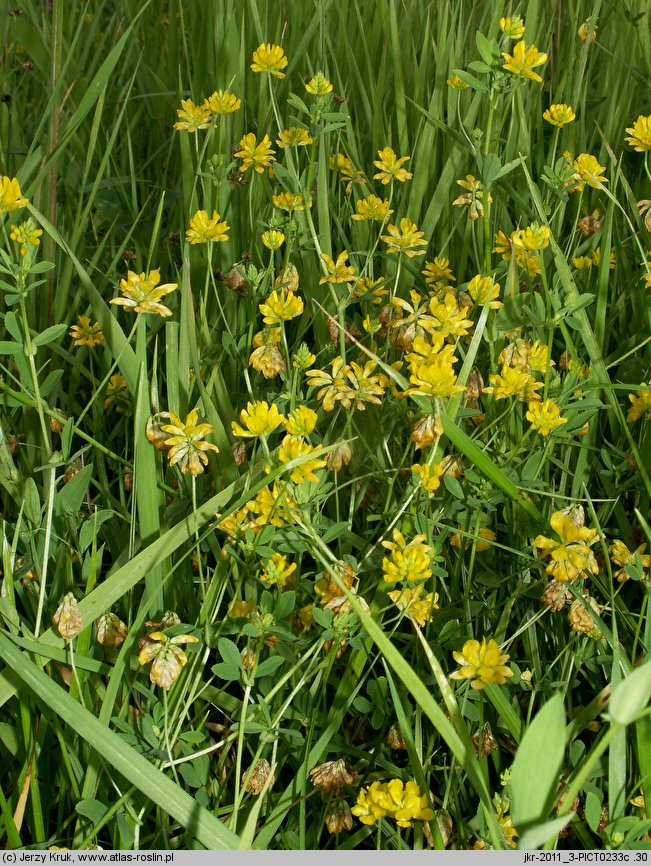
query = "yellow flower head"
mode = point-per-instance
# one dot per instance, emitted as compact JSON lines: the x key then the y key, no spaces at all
{"x":523,"y":61}
{"x":408,"y":561}
{"x":559,"y":115}
{"x":436,"y":378}
{"x":294,"y":136}
{"x":391,"y":167}
{"x":186,"y":443}
{"x":409,"y":601}
{"x":266,"y":359}
{"x":513,"y":382}
{"x":512,"y":27}
{"x":204,"y":229}
{"x":293,"y":447}
{"x":640,"y":134}
{"x":405,"y":239}
{"x":588,"y":171}
{"x":281,"y":306}
{"x":473,"y":199}
{"x":588,"y":28}
{"x":289,"y":201}
{"x":258,"y":419}
{"x":26,"y":234}
{"x":117,"y":392}
{"x":85,"y":334}
{"x":506,"y":824}
{"x":640,"y":403}
{"x":277,"y":570}
{"x":269,"y":58}
{"x":339,"y":271}
{"x":482,"y":541}
{"x":142,"y":294}
{"x":372,"y":208}
{"x":636,"y":561}
{"x":222,"y":102}
{"x":68,"y":618}
{"x":482,"y":289}
{"x":319,"y":85}
{"x":403,"y":803}
{"x":303,"y":358}
{"x":273,"y":239}
{"x":429,"y":476}
{"x":447,"y":317}
{"x":482,"y":663}
{"x":11,"y":197}
{"x":570,"y":557}
{"x":301,"y":421}
{"x":535,"y":237}
{"x":166,"y":656}
{"x":437,"y":273}
{"x":192,"y":117}
{"x":254,"y":155}
{"x":457,"y":83}
{"x":544,"y":417}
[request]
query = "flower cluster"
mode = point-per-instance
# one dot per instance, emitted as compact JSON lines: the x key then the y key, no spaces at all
{"x":401,"y":802}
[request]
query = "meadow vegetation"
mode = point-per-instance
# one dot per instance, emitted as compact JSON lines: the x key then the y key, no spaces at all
{"x":325,"y":424}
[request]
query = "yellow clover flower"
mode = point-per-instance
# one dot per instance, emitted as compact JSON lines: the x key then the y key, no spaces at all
{"x":277,"y":570}
{"x":534,"y":238}
{"x":293,"y":447}
{"x":429,"y":476}
{"x":405,"y":239}
{"x":544,"y":417}
{"x":513,"y":382}
{"x":142,"y":294}
{"x":408,"y":561}
{"x":26,"y":234}
{"x":640,"y":403}
{"x":269,"y":58}
{"x":294,"y":136}
{"x":192,"y":117}
{"x":623,"y":557}
{"x":301,"y":421}
{"x":281,"y":306}
{"x":403,"y":803}
{"x":482,"y":289}
{"x":512,"y":27}
{"x":437,"y":273}
{"x":482,"y":663}
{"x":273,"y":239}
{"x":588,"y":171}
{"x":588,"y":27}
{"x":640,"y":134}
{"x":168,"y":659}
{"x":339,"y":271}
{"x":186,"y":443}
{"x":222,"y":102}
{"x":289,"y":201}
{"x":11,"y":197}
{"x":85,"y":334}
{"x":410,"y":602}
{"x":523,"y":61}
{"x":559,"y":115}
{"x":319,"y":85}
{"x":570,"y":557}
{"x":391,"y":167}
{"x":204,"y":229}
{"x":372,"y":208}
{"x":457,"y":83}
{"x":254,"y":155}
{"x":258,"y":419}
